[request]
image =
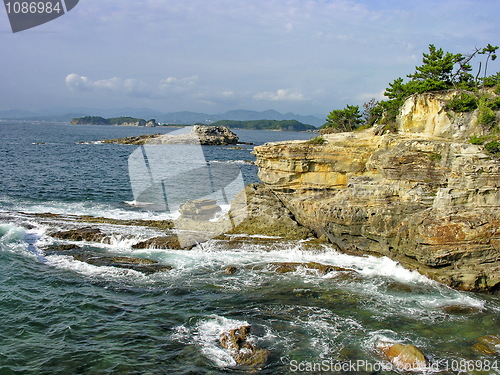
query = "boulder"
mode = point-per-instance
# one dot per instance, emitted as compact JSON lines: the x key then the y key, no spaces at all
{"x":405,"y":357}
{"x":244,"y":352}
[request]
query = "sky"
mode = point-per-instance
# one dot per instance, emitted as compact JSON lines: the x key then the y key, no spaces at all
{"x":303,"y":56}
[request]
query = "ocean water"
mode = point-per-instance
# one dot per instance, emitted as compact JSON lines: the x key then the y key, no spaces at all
{"x":63,"y":316}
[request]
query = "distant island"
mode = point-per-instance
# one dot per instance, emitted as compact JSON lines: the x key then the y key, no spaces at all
{"x":284,"y":125}
{"x":280,"y":125}
{"x":123,"y":121}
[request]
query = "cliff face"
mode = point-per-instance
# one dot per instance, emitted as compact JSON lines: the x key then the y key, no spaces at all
{"x":423,"y":196}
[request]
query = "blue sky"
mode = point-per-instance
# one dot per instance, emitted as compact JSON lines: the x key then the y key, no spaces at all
{"x":303,"y":56}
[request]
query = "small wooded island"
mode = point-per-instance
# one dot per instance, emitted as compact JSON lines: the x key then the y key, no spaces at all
{"x":122,"y":121}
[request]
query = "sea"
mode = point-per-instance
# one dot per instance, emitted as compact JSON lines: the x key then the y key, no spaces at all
{"x":60,"y":315}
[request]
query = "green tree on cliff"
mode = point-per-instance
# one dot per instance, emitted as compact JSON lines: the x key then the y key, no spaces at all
{"x":344,"y":120}
{"x":440,"y":70}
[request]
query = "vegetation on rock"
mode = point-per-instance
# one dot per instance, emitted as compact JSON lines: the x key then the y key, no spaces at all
{"x":439,"y":71}
{"x":316,"y":141}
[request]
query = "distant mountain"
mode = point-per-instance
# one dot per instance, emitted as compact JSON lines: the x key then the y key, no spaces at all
{"x":183,"y":117}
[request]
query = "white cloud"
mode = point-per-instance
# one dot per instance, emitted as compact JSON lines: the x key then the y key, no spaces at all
{"x":178,"y":84}
{"x":115,"y":85}
{"x":77,"y":83}
{"x":280,"y":95}
{"x":111,"y":84}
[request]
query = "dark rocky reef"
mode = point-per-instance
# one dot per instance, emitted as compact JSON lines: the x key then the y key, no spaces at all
{"x":145,"y":266}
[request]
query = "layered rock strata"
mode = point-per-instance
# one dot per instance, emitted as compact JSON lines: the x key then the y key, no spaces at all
{"x":423,"y":196}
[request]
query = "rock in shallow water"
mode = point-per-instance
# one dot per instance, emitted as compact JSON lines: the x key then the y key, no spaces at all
{"x":81,"y":234}
{"x":285,"y":267}
{"x":244,"y":352}
{"x":489,"y":344}
{"x":146,"y":266}
{"x":405,"y":357}
{"x":162,"y":242}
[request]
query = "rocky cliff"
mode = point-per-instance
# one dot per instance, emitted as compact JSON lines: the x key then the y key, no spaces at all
{"x":423,"y":196}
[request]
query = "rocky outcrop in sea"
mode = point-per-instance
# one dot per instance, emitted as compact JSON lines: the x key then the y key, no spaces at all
{"x":423,"y":196}
{"x":199,"y":134}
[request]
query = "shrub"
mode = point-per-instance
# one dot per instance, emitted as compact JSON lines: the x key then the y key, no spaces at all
{"x":316,"y":141}
{"x":464,"y":102}
{"x":493,"y":147}
{"x":494,"y":104}
{"x":486,"y":115}
{"x":478,"y":140}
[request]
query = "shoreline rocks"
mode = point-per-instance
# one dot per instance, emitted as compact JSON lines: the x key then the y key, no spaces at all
{"x":145,"y":266}
{"x":258,"y":210}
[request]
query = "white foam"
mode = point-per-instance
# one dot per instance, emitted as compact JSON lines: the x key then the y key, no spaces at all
{"x":100,"y":272}
{"x":86,"y":208}
{"x":206,"y":335}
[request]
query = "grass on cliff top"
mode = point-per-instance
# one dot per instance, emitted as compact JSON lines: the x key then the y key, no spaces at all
{"x":316,"y":141}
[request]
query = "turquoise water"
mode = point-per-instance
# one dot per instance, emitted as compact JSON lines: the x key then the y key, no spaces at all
{"x":63,"y":316}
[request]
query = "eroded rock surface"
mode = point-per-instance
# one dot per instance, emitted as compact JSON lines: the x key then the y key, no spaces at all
{"x":424,"y":196}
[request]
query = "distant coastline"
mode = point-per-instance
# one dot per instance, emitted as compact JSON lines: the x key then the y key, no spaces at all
{"x":122,"y":121}
{"x":276,"y":125}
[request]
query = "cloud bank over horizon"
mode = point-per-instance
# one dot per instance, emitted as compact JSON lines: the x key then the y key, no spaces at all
{"x":302,"y":56}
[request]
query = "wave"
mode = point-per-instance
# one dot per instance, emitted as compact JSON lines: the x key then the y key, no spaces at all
{"x":111,"y":211}
{"x":381,"y":281}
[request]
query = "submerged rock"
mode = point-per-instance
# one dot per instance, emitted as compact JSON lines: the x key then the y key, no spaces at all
{"x":162,"y":242}
{"x":244,"y":352}
{"x":460,"y":309}
{"x":146,"y":266}
{"x":81,"y":234}
{"x":488,"y":344}
{"x":405,"y":357}
{"x":285,"y":267}
{"x":231,"y":270}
